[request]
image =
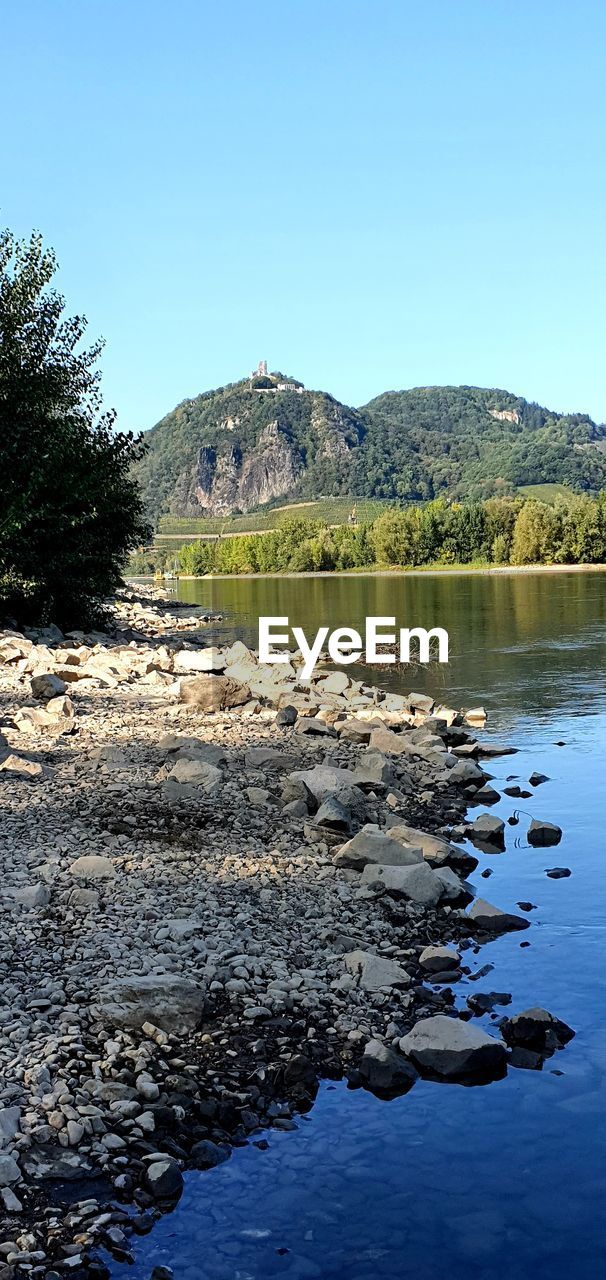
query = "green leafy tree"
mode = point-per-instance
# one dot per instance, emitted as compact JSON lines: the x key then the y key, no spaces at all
{"x":69,"y":507}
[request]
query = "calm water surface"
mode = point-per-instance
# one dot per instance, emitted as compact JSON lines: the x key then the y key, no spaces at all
{"x":507,"y":1180}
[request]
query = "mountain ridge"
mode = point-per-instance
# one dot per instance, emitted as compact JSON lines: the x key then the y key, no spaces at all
{"x":265,"y":438}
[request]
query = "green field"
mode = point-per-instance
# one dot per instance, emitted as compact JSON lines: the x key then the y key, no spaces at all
{"x":545,"y":492}
{"x":328,"y":510}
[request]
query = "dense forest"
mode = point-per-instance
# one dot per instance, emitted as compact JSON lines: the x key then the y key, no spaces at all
{"x":497,"y":531}
{"x":245,"y":446}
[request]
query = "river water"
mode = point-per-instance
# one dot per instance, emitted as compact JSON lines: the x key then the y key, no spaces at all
{"x":507,"y":1180}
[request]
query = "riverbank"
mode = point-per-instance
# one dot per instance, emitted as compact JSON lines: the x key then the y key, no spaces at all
{"x":217,"y":888}
{"x":495,"y":570}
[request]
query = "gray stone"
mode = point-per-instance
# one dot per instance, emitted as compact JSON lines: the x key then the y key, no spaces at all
{"x":416,"y":883}
{"x":354,"y":730}
{"x":371,"y":845}
{"x":32,"y":895}
{"x":207,"y":1155}
{"x":314,"y":727}
{"x":536,"y":1029}
{"x":437,"y":851}
{"x":386,"y":1071}
{"x":9,"y":1170}
{"x":334,"y":815}
{"x":9,"y":1124}
{"x":323,"y":779}
{"x":388,"y":742}
{"x":92,"y":866}
{"x":196,"y":773}
{"x":486,"y":827}
{"x":452,"y":1049}
{"x":373,"y":770}
{"x":492,"y":920}
{"x":439,"y":959}
{"x":167,"y":1000}
{"x":213,"y":693}
{"x":28,"y":770}
{"x":466,"y":774}
{"x":375,"y":972}
{"x":164,"y":1179}
{"x":286,"y":717}
{"x":541,"y":834}
{"x":268,"y":758}
{"x":453,"y":889}
{"x":47,"y":686}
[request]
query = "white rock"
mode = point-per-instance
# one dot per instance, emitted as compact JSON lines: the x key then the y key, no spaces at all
{"x":375,"y":972}
{"x":453,"y":1049}
{"x":92,"y":866}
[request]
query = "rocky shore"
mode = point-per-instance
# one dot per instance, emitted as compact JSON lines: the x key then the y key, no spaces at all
{"x":219,"y":885}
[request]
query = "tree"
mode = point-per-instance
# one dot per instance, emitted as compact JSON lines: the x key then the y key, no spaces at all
{"x":69,"y":507}
{"x":536,"y":536}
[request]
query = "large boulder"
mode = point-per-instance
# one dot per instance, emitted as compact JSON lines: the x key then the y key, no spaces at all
{"x":163,"y":1178}
{"x":337,"y":682}
{"x":543,"y":833}
{"x":466,"y":774}
{"x":384,"y":1071}
{"x":490,"y":919}
{"x":439,"y":959}
{"x":323,"y":779}
{"x":354,"y":730}
{"x":208,"y":660}
{"x":487,"y":829}
{"x":436,"y":850}
{"x":92,"y":866}
{"x":192,"y":749}
{"x":10,"y":1125}
{"x":416,"y":883}
{"x":28,"y":770}
{"x":167,"y":1000}
{"x":374,"y":770}
{"x":334,"y":815}
{"x":31,"y":896}
{"x":536,"y":1029}
{"x":196,"y":773}
{"x":454,"y":1050}
{"x":388,"y":742}
{"x":374,"y":972}
{"x":371,"y":845}
{"x":206,"y":1154}
{"x":213,"y":693}
{"x":9,"y":1170}
{"x":47,"y":686}
{"x":454,"y":890}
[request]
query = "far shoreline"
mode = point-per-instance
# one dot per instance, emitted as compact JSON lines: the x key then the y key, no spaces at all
{"x":438,"y":571}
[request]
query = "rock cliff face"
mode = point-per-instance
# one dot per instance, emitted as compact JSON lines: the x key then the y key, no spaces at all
{"x":233,"y":481}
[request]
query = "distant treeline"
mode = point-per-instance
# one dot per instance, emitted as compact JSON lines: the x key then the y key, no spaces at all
{"x":497,"y":531}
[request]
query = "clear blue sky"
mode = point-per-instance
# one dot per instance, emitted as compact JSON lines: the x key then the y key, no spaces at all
{"x":369,"y":195}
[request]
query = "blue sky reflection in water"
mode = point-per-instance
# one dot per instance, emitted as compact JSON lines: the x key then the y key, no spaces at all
{"x":507,"y":1180}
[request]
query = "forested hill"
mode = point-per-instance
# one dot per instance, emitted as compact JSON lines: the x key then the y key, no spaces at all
{"x":266,"y":439}
{"x":473,"y":442}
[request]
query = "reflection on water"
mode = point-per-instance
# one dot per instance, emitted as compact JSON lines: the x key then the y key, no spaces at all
{"x":517,"y":642}
{"x":470,"y":1184}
